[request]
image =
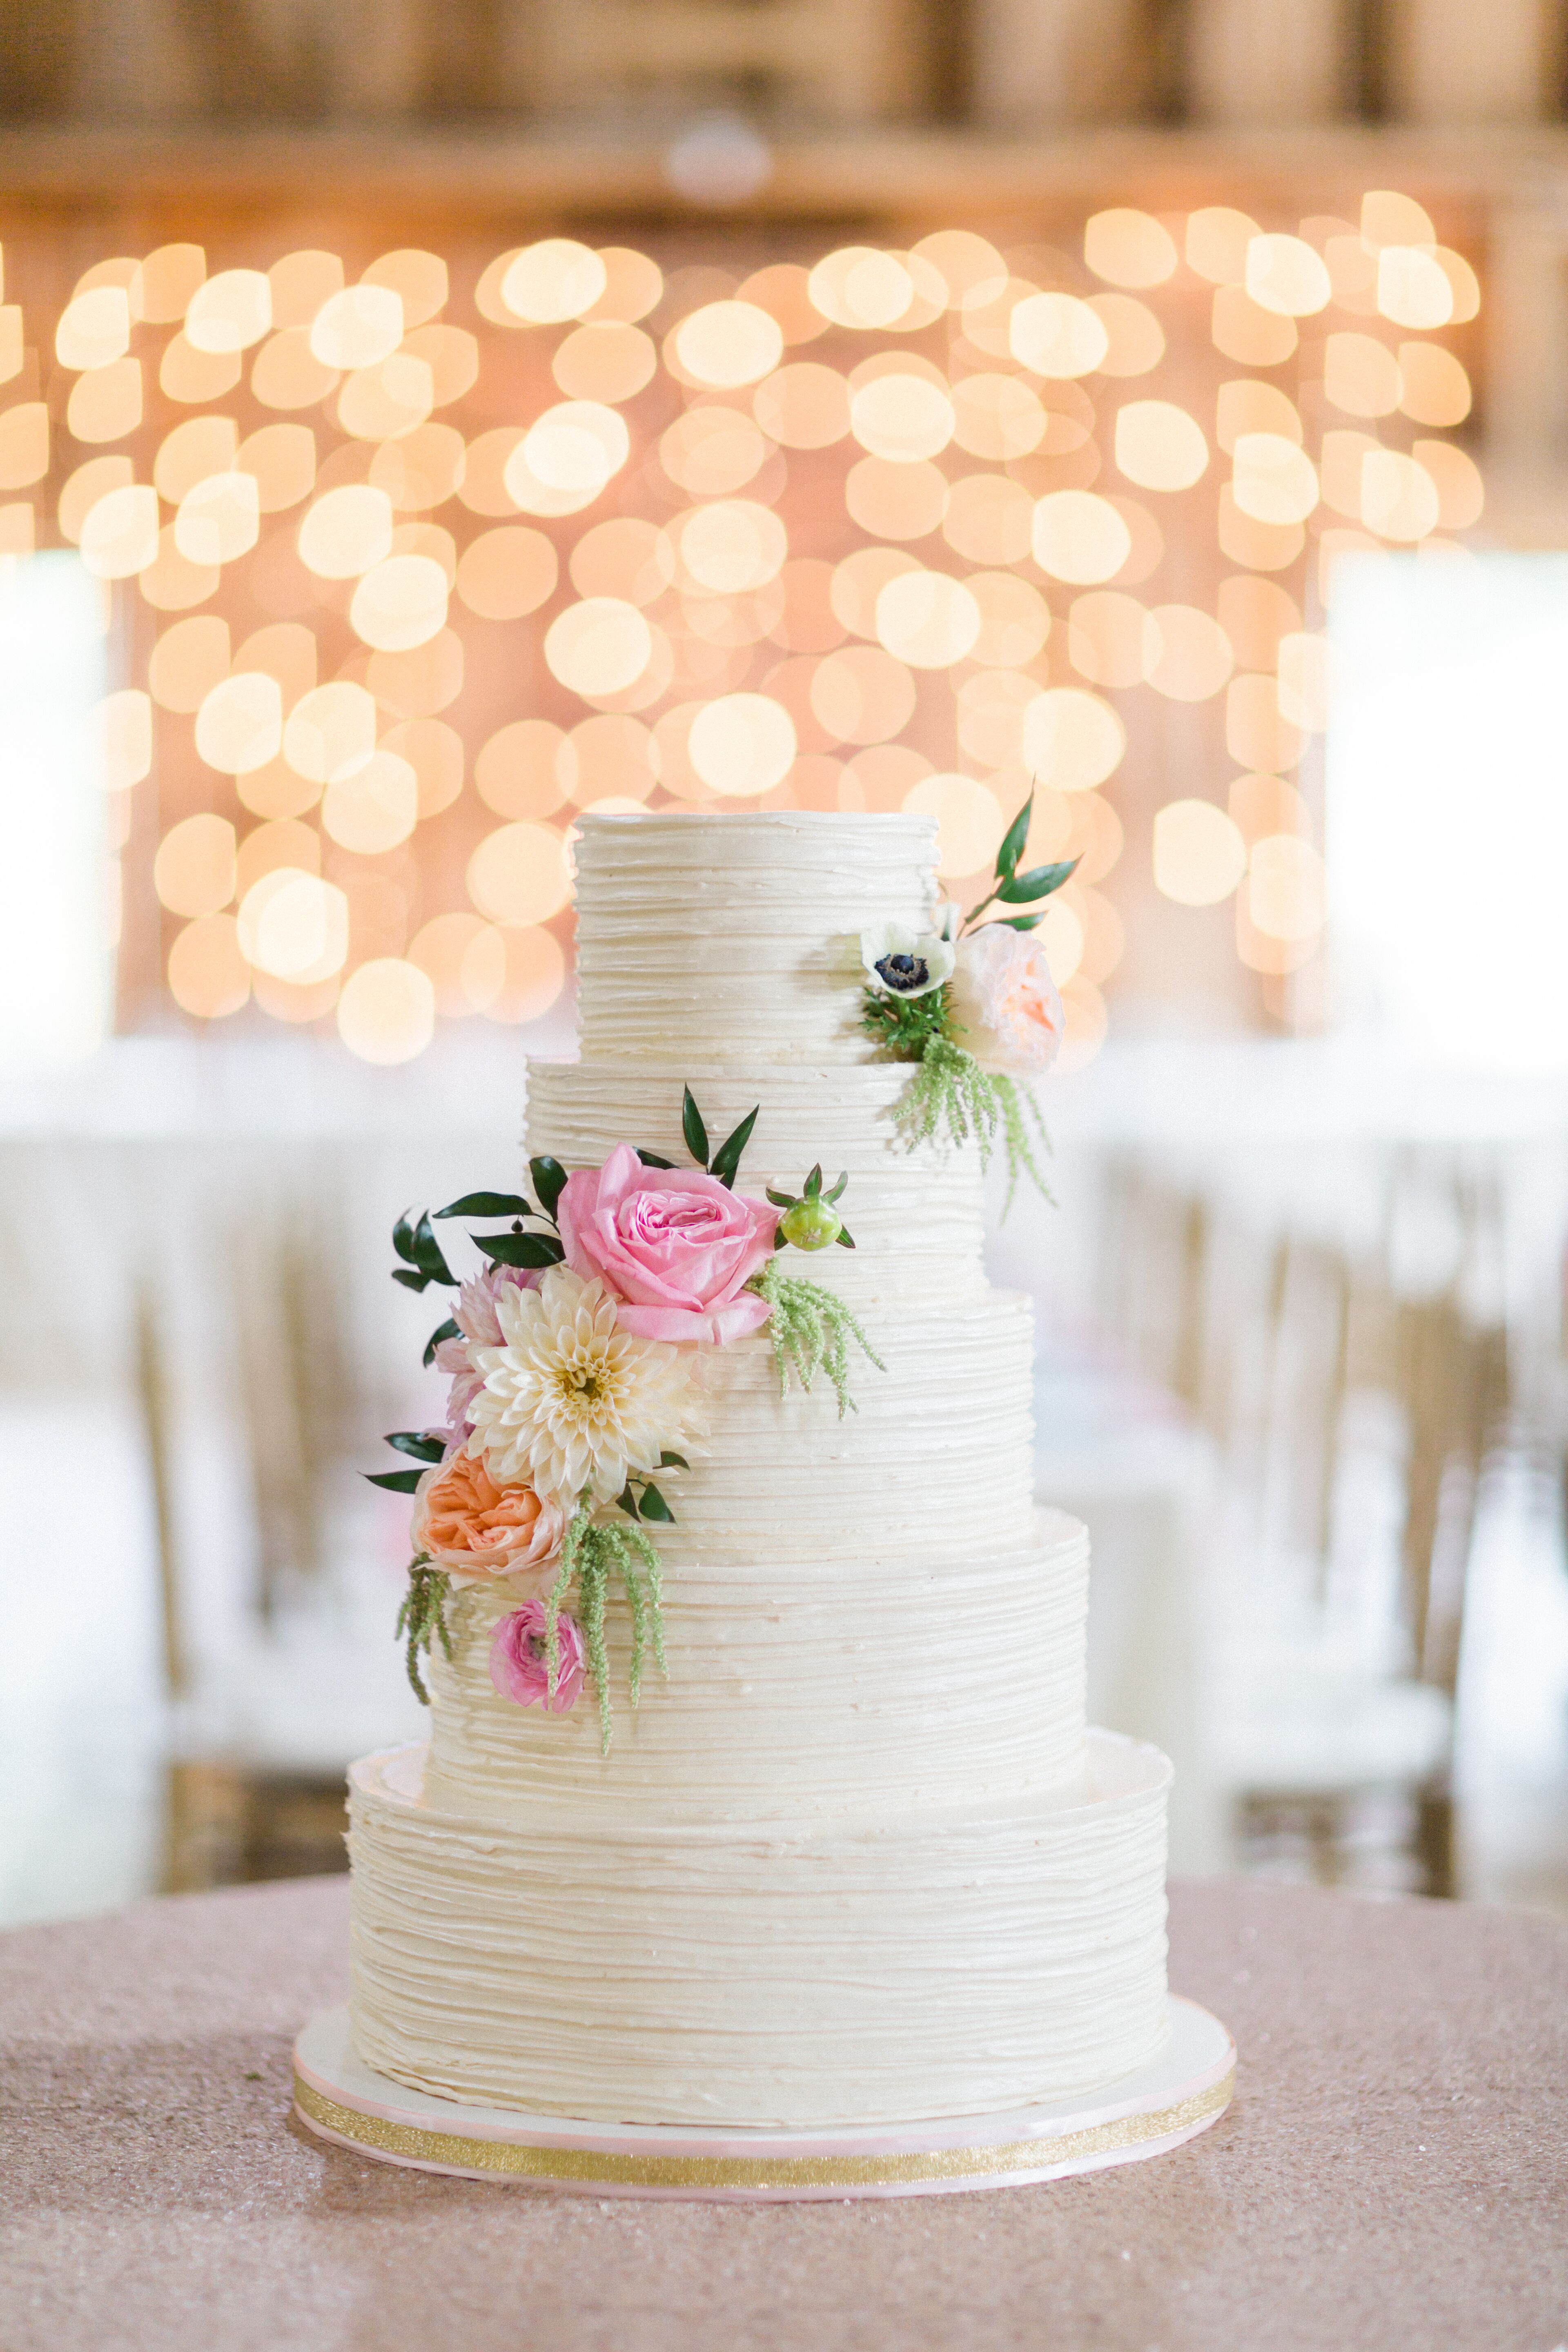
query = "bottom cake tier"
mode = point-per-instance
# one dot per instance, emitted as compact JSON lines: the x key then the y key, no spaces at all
{"x":932,"y":1965}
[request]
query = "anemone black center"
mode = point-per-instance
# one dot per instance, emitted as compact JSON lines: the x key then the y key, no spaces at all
{"x":902,"y":972}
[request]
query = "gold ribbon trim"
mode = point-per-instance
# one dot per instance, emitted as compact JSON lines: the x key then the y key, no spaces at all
{"x":523,"y":2162}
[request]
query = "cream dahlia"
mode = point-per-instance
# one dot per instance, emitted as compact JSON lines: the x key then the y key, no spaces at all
{"x":571,"y":1401}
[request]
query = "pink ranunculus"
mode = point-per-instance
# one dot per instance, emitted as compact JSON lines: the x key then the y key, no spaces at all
{"x":1004,"y":1002}
{"x":674,"y":1246}
{"x":519,"y":1667}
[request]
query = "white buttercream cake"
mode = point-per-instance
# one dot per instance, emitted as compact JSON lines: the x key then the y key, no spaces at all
{"x":857,"y":1859}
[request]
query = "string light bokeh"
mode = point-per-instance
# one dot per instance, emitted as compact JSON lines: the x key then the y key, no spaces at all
{"x":407,"y":574}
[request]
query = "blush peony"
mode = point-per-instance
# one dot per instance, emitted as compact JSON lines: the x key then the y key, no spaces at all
{"x":520,"y":1665}
{"x":674,"y":1246}
{"x":475,"y":1529}
{"x":1005,"y":1008}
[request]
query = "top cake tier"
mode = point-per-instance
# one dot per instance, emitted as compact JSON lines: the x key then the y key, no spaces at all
{"x":704,"y":940}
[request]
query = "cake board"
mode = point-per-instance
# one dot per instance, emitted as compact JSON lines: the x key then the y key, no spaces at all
{"x":1178,"y":2095}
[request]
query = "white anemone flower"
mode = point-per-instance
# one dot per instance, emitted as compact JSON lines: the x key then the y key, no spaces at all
{"x":571,"y":1401}
{"x":902,"y":963}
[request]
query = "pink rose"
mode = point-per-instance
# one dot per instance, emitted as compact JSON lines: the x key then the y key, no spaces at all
{"x":1004,"y":1002}
{"x":519,"y":1665}
{"x":677,"y":1247}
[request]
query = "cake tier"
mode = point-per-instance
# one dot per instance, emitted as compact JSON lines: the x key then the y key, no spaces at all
{"x":922,"y":1207}
{"x":983,"y":1959}
{"x":832,"y":1692}
{"x":735,"y":939}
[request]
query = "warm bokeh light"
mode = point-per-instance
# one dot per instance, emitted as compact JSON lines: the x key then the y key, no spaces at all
{"x":1413,"y":290}
{"x":387,"y":1013}
{"x":1071,"y":740}
{"x":796,"y":536}
{"x":294,"y":926}
{"x":605,"y":360}
{"x":189,"y":661}
{"x":1080,"y":537}
{"x":1199,"y":854}
{"x":727,"y":344}
{"x":733,"y":547}
{"x":519,"y":873}
{"x":805,"y":405}
{"x":229,"y":312}
{"x":331,"y":732}
{"x":240,"y":723}
{"x":119,"y":532}
{"x":893,"y":499}
{"x":94,"y":329}
{"x":400,"y":603}
{"x":1284,"y":274}
{"x":555,"y":280}
{"x":598,"y":646}
{"x":1286,"y":888}
{"x":1194,"y":659}
{"x":860,"y":287}
{"x":375,"y":808}
{"x":194,"y":871}
{"x":208,"y":976}
{"x":970,"y":821}
{"x":1217,"y":240}
{"x":742,"y":744}
{"x":1057,"y":335}
{"x":1274,"y":481}
{"x":1129,"y":247}
{"x":902,"y":417}
{"x":357,"y":328}
{"x":346,"y":530}
{"x":219,"y":520}
{"x":1159,"y":445}
{"x":927,"y":619}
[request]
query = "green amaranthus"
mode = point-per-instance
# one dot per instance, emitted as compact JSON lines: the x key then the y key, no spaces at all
{"x":811,"y":1329}
{"x":423,"y":1618}
{"x":592,"y":1554}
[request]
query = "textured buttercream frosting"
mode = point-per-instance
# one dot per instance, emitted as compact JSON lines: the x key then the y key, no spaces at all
{"x":853,"y":1861}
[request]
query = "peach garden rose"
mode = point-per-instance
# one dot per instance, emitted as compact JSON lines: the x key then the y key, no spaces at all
{"x":474,"y":1530}
{"x":1006,"y":1009}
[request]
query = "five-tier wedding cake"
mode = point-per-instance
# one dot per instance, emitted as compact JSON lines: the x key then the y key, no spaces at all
{"x":853,"y":1859}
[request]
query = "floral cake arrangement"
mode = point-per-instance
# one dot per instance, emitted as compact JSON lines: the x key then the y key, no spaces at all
{"x":576,"y":1357}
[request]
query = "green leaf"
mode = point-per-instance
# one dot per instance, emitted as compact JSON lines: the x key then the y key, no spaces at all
{"x":487,"y":1204}
{"x":654,"y":1506}
{"x":1016,"y":923}
{"x":780,"y":1200}
{"x":653,"y":1159}
{"x":779,"y":1241}
{"x":409,"y":1278}
{"x":814,"y":1183}
{"x":446,"y":1330}
{"x":428,"y":1254}
{"x":668,"y":1460}
{"x":1038,"y":882}
{"x":837,"y":1190}
{"x":1012,"y":841}
{"x":692,"y":1127}
{"x":403,"y":1241}
{"x":419,"y":1442}
{"x":549,"y":1180}
{"x":726,"y":1158}
{"x":627,"y":1501}
{"x":844,"y":1238}
{"x":396,"y":1482}
{"x":520,"y":1249}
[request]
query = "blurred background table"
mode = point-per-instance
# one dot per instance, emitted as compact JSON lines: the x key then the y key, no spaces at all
{"x":1392,"y":2175}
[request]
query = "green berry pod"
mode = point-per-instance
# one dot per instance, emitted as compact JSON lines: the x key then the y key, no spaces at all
{"x":811,"y":1225}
